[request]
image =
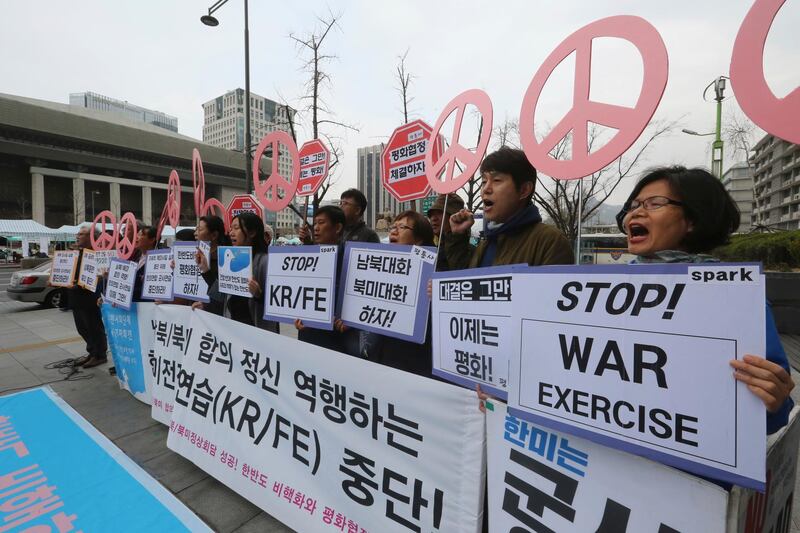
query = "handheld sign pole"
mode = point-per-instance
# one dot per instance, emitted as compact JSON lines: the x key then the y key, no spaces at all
{"x":441,"y":231}
{"x":580,"y":216}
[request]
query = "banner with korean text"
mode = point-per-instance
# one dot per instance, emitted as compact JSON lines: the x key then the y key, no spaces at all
{"x":637,"y":357}
{"x":129,"y":335}
{"x":320,"y":439}
{"x":158,"y":275}
{"x":544,"y":480}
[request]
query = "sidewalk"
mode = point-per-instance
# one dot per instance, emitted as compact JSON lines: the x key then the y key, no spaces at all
{"x":33,"y":337}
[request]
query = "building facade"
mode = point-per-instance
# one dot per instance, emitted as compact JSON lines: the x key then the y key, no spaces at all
{"x":381,"y":205}
{"x":738,"y":181}
{"x":223,"y":126}
{"x":98,"y":102}
{"x":776,"y":181}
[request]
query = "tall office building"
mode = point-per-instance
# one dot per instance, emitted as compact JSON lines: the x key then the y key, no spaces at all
{"x":776,"y":179}
{"x":738,"y":181}
{"x":127,"y":110}
{"x":379,"y":201}
{"x":223,"y":126}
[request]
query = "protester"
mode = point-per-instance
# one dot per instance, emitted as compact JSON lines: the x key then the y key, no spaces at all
{"x":86,"y":313}
{"x":411,"y":228}
{"x":513,"y":231}
{"x":145,"y":241}
{"x":269,"y":234}
{"x":354,"y":204}
{"x":210,"y":229}
{"x":247,"y":229}
{"x":441,"y":224}
{"x":679,"y":215}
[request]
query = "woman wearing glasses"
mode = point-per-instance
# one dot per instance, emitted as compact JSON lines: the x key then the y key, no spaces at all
{"x":679,"y":215}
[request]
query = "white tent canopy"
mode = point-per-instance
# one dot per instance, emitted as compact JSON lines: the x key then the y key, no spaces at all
{"x":26,"y":229}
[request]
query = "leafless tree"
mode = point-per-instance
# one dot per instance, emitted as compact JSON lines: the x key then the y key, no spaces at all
{"x":739,"y":134}
{"x":404,"y":82}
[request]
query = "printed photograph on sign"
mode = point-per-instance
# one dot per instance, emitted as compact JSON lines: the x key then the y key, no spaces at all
{"x":235,"y":269}
{"x":158,"y":275}
{"x":62,"y":271}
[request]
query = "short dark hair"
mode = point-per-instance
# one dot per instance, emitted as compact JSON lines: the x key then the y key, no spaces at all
{"x":706,"y":204}
{"x":185,"y":235}
{"x":358,"y":196}
{"x":216,"y":225}
{"x":334,"y":214}
{"x":513,"y":162}
{"x":150,"y":231}
{"x":250,"y":222}
{"x":423,"y":231}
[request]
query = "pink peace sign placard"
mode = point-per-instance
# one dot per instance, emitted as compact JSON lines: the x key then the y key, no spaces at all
{"x":778,"y":116}
{"x":172,"y":207}
{"x":126,"y":238}
{"x":267,"y":192}
{"x":442,"y":174}
{"x":629,"y":121}
{"x":106,"y":240}
{"x":202,"y":207}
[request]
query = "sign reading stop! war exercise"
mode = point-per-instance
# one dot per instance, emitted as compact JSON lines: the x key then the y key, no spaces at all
{"x":637,"y":357}
{"x":471,"y":312}
{"x":301,"y":283}
{"x":384,"y":289}
{"x":62,"y":272}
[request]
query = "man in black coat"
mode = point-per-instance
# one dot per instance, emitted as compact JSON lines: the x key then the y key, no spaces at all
{"x":86,"y":313}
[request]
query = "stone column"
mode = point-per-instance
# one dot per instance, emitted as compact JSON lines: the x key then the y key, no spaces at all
{"x":78,"y":201}
{"x":147,"y":205}
{"x":114,"y":200}
{"x":37,"y":198}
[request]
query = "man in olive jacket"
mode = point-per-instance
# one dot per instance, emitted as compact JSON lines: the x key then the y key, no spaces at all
{"x":513,"y":229}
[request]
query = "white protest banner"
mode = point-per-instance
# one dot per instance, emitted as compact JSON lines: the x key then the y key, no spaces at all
{"x":301,"y":283}
{"x":187,"y":281}
{"x":384,"y":289}
{"x":158,"y":275}
{"x":169,"y":339}
{"x":637,"y":357}
{"x":235,"y":268}
{"x":543,"y":480}
{"x":319,"y":439}
{"x":471,"y":312}
{"x":62,"y":271}
{"x":121,"y":279}
{"x":87,"y":273}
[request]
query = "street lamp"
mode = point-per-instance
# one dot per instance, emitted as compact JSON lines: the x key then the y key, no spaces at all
{"x":94,"y":192}
{"x":210,"y":20}
{"x":716,"y":147}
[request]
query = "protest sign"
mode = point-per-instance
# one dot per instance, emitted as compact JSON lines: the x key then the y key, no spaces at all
{"x":121,"y":279}
{"x":403,"y":160}
{"x":471,"y":315}
{"x":169,"y":339}
{"x":316,"y":438}
{"x":158,"y":275}
{"x":235,"y":269}
{"x":103,"y":259}
{"x":314,"y":164}
{"x":186,"y":279}
{"x":87,"y":273}
{"x":62,"y":271}
{"x":41,"y":490}
{"x":301,"y":283}
{"x":384,"y":289}
{"x":637,"y":357}
{"x":543,"y":480}
{"x":127,"y":333}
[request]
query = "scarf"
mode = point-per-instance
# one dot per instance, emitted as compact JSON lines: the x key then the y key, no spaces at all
{"x":673,"y":256}
{"x":527,"y":216}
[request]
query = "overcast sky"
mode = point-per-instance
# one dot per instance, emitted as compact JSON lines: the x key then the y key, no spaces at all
{"x":157,"y":54}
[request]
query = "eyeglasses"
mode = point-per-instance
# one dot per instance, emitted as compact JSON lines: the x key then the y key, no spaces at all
{"x":650,"y":204}
{"x":399,"y":227}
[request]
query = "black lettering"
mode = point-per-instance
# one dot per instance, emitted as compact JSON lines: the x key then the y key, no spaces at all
{"x":575,"y":352}
{"x":665,"y":427}
{"x":595,"y":286}
{"x":596,"y":408}
{"x":641,"y":299}
{"x":565,"y":292}
{"x":620,"y":423}
{"x":542,"y":394}
{"x":630,"y":292}
{"x":657,"y":366}
{"x":612,"y":350}
{"x":681,"y":428}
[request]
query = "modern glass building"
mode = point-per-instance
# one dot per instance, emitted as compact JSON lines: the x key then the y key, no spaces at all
{"x":90,"y":100}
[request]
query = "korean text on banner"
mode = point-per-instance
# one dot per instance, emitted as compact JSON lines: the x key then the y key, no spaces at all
{"x":235,"y":268}
{"x":121,"y":279}
{"x":62,"y":271}
{"x":187,"y":281}
{"x":544,"y":480}
{"x":309,"y":434}
{"x":301,"y":283}
{"x":158,"y":275}
{"x":637,"y":357}
{"x":87,"y":273}
{"x":384,"y":289}
{"x":471,"y":313}
{"x":125,"y":343}
{"x":169,"y":339}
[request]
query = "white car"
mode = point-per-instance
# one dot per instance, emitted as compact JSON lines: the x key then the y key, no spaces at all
{"x":31,"y":286}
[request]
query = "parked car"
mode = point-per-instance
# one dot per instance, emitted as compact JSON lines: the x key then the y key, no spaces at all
{"x":31,"y":286}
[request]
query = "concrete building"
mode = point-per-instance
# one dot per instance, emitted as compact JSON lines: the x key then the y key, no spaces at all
{"x":62,"y":164}
{"x":223,"y":126}
{"x":738,"y":181}
{"x":89,"y":100}
{"x":380,"y":203}
{"x":776,"y":179}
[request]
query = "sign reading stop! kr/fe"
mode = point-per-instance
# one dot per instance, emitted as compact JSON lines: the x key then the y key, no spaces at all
{"x":314,"y":165}
{"x":242,"y":203}
{"x":403,"y":159}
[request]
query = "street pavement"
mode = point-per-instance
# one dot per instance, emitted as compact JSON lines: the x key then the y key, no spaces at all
{"x":31,"y":337}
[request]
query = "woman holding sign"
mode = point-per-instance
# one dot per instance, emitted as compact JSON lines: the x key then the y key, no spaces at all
{"x":678,"y":215}
{"x":212,"y":230}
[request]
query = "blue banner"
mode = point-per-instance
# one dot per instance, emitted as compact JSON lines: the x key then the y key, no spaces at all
{"x":122,"y":330}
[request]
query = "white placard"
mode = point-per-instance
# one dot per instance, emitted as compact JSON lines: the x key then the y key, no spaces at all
{"x":87,"y":274}
{"x":301,"y":283}
{"x":121,"y":279}
{"x":103,"y":259}
{"x":637,"y":357}
{"x":544,"y":480}
{"x":235,"y":269}
{"x":187,"y":281}
{"x":62,"y":271}
{"x":158,"y":275}
{"x":309,"y":434}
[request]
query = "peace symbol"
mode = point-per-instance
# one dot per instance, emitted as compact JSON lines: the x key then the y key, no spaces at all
{"x":446,"y":163}
{"x":198,"y":183}
{"x":127,"y":239}
{"x":273,"y":201}
{"x":106,"y":240}
{"x":630,"y":122}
